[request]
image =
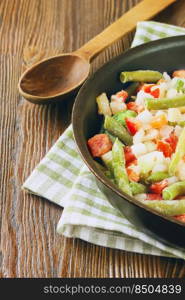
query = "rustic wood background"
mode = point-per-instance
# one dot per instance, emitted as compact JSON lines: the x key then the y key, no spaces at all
{"x":29,"y":245}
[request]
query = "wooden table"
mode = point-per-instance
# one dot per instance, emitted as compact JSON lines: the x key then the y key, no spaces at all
{"x":30,"y":246}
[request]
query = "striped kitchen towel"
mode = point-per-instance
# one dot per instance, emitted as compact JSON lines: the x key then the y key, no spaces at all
{"x":63,"y":178}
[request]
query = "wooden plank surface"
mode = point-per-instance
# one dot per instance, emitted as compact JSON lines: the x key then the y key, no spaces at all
{"x":29,"y":244}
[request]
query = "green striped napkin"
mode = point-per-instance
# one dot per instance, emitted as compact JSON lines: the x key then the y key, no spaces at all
{"x":63,"y":178}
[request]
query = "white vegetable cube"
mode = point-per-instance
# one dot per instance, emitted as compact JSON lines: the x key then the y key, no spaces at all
{"x":175,"y":80}
{"x":178,"y":130}
{"x":151,"y":135}
{"x":159,"y":168}
{"x":116,"y":98}
{"x":150,"y":160}
{"x":183,"y":117}
{"x":166,"y":76}
{"x":172,"y":180}
{"x":140,"y":197}
{"x":171,"y":93}
{"x":174,"y":115}
{"x":165,"y":131}
{"x":144,"y":117}
{"x":117,"y":107}
{"x":150,"y":146}
{"x":141,"y":95}
{"x":139,"y":149}
{"x":139,"y":136}
{"x":162,"y":89}
{"x":161,"y":113}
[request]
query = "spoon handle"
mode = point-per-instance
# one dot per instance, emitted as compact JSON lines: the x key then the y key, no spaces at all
{"x":145,"y":10}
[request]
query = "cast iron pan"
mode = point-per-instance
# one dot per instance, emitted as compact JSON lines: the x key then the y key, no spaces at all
{"x":163,"y":55}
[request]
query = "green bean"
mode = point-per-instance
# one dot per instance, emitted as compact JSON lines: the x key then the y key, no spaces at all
{"x":157,"y":176}
{"x":122,"y":115}
{"x":103,"y":105}
{"x":180,"y":123}
{"x":119,"y":169}
{"x":106,"y":171}
{"x":137,"y":188}
{"x":115,"y":128}
{"x":179,"y":153}
{"x":109,"y":175}
{"x":165,"y":103}
{"x":132,"y":88}
{"x":141,"y":76}
{"x":168,"y":208}
{"x":174,"y":190}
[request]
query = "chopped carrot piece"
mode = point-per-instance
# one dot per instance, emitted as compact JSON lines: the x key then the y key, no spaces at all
{"x":180,"y":218}
{"x":99,"y":144}
{"x":179,"y":73}
{"x":133,"y":176}
{"x":159,"y":121}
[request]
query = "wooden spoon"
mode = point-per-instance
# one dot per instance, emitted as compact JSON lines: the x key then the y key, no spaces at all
{"x":58,"y":76}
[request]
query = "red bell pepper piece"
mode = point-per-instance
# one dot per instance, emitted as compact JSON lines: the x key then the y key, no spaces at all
{"x":172,"y":140}
{"x":153,"y":197}
{"x":147,"y":88}
{"x":132,"y":125}
{"x":158,"y":187}
{"x":179,"y":73}
{"x":165,"y":148}
{"x":123,"y":95}
{"x":135,"y":107}
{"x":129,"y":156}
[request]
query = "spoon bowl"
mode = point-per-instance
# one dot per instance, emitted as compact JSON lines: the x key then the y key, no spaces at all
{"x":54,"y":77}
{"x":60,"y":76}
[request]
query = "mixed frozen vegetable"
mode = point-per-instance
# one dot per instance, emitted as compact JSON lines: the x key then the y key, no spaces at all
{"x":142,"y":141}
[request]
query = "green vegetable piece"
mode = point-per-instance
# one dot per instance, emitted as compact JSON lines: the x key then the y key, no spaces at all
{"x":157,"y":176}
{"x":132,"y":88}
{"x":141,"y":76}
{"x":119,"y":169}
{"x":103,"y":105}
{"x":137,"y":188}
{"x":121,"y":116}
{"x":174,"y":190}
{"x":115,"y":128}
{"x":179,"y":153}
{"x":165,"y":103}
{"x":165,"y":207}
{"x":180,"y":123}
{"x":109,"y":175}
{"x":179,"y":85}
{"x":107,"y":160}
{"x":112,"y":137}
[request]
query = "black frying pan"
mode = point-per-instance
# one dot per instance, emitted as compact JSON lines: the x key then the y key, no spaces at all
{"x":163,"y":55}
